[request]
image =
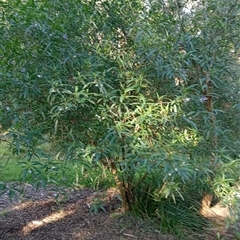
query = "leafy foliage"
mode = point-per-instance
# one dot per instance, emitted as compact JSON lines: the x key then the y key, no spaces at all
{"x":148,"y":89}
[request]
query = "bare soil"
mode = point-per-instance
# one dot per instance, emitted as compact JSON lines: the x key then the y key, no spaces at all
{"x":75,"y":215}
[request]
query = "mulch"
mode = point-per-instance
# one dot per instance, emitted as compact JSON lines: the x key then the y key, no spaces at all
{"x":82,"y":214}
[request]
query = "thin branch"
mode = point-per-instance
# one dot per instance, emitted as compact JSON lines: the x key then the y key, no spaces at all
{"x":140,"y":180}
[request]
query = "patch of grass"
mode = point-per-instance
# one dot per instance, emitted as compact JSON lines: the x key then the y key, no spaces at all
{"x":9,"y":167}
{"x":10,"y":170}
{"x":237,"y":235}
{"x":4,"y":213}
{"x":42,"y":171}
{"x":179,"y":217}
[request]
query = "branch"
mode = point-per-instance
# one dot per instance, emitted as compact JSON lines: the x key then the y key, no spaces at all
{"x":140,"y":180}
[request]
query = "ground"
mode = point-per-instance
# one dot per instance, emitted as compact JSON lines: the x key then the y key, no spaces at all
{"x":83,"y":215}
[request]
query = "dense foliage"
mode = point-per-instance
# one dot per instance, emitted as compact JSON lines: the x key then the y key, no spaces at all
{"x":147,"y":89}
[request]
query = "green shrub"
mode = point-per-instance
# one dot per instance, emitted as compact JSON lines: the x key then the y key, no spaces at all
{"x":144,"y":89}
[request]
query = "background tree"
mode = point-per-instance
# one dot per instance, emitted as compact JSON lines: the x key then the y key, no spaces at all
{"x":144,"y":88}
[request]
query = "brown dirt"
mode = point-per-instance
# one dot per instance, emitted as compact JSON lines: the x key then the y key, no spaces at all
{"x":85,"y":215}
{"x":75,"y":215}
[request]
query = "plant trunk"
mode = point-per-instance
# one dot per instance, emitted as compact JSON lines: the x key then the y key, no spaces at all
{"x":124,"y":196}
{"x":124,"y":189}
{"x":209,"y":107}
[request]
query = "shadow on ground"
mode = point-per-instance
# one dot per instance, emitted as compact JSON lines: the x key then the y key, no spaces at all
{"x":83,"y":215}
{"x":86,"y":215}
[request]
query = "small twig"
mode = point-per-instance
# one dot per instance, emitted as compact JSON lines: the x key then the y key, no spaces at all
{"x":140,"y":180}
{"x":129,"y":235}
{"x":123,"y":230}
